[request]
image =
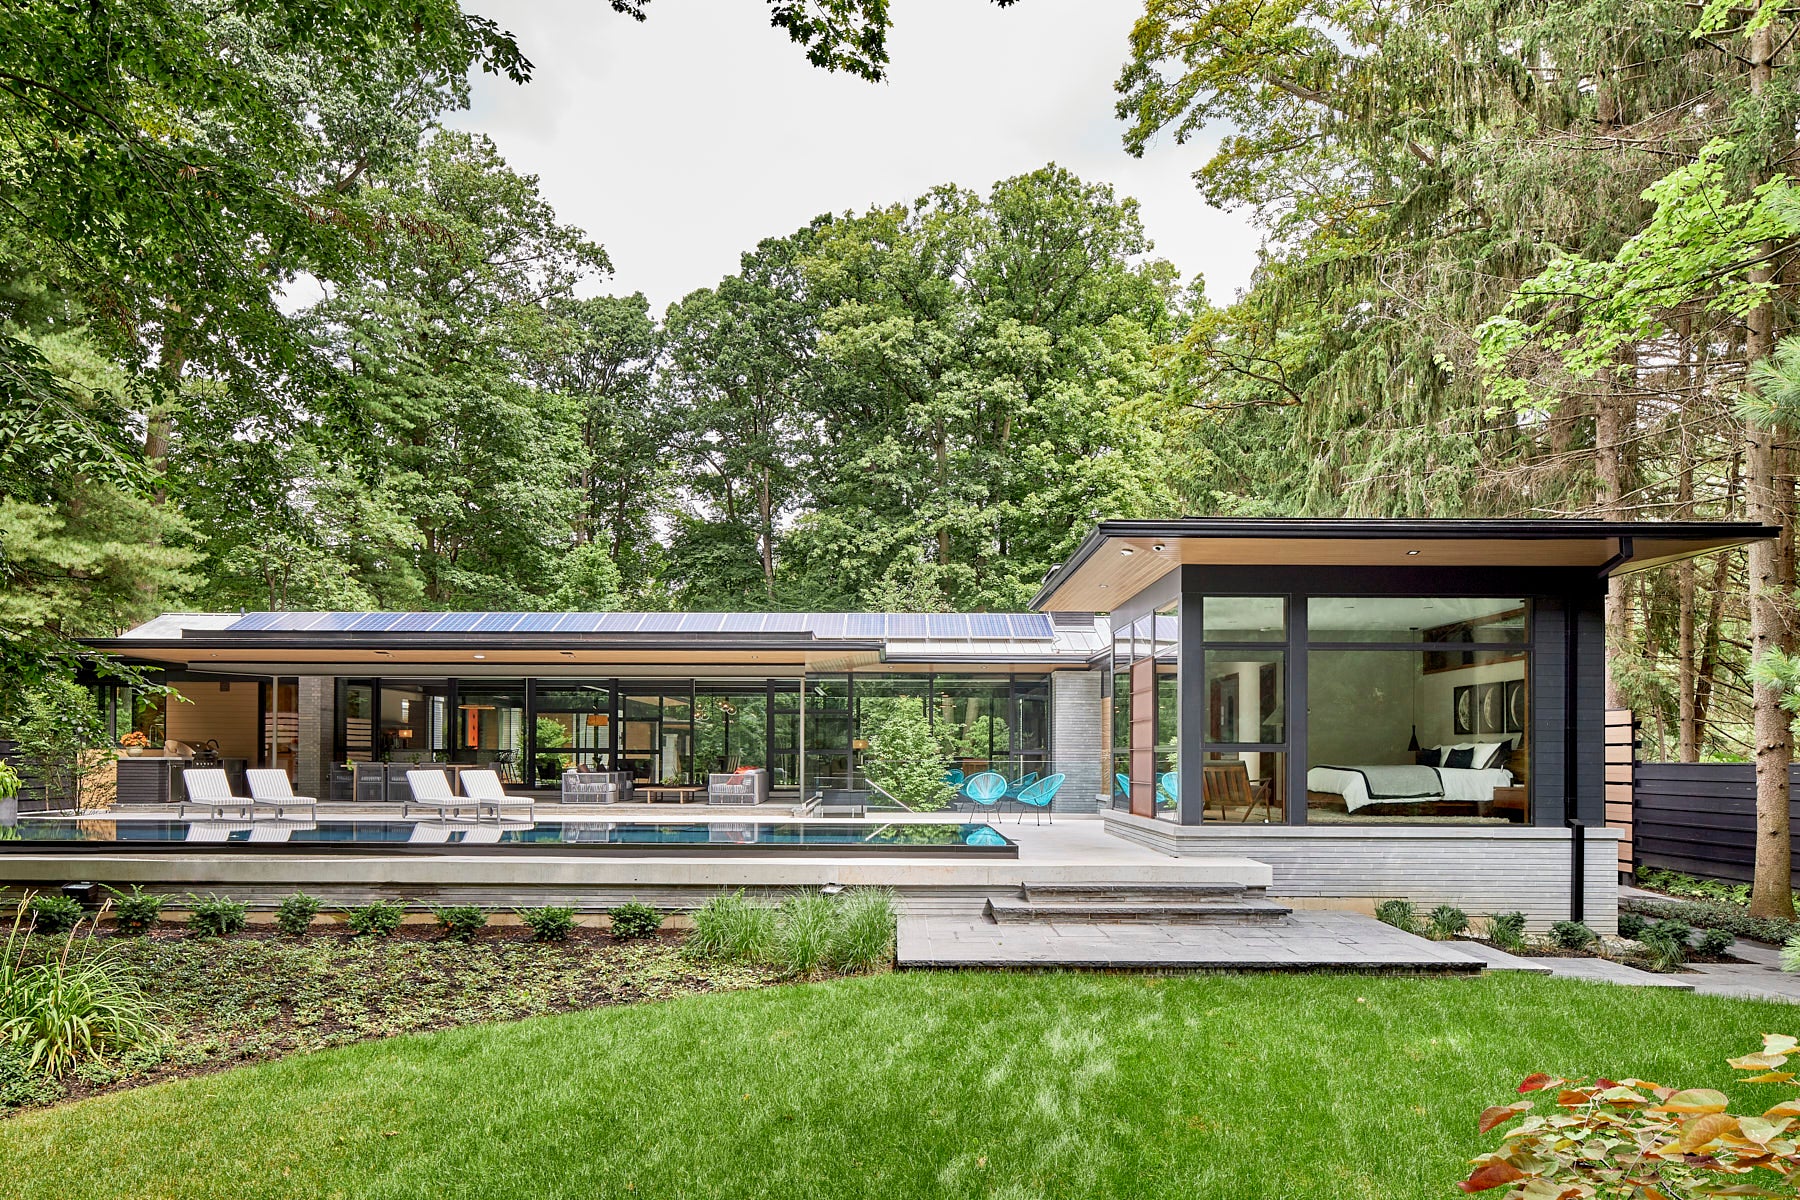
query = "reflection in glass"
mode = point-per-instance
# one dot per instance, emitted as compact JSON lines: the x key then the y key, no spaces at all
{"x":1244,"y":618}
{"x":1415,"y":619}
{"x":574,"y":728}
{"x":1244,"y":697}
{"x":1244,"y":787}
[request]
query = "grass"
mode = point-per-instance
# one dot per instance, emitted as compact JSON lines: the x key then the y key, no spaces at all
{"x":900,"y":1086}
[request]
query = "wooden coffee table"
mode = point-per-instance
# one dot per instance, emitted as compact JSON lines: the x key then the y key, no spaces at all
{"x":682,"y":793}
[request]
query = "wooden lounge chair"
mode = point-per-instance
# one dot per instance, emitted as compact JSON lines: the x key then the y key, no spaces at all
{"x":1228,"y":785}
{"x":485,"y":786}
{"x":431,"y":790}
{"x":271,"y":787}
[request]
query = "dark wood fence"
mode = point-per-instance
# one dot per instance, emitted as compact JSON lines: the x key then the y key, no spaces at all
{"x":1701,"y":817}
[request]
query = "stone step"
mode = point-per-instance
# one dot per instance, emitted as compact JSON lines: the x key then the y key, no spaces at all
{"x":1254,"y":910}
{"x":1130,"y":892}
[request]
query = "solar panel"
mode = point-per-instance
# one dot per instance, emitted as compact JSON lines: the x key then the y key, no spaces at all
{"x":537,"y":622}
{"x":989,"y":625}
{"x":865,"y":625}
{"x":703,"y":623}
{"x":496,"y":623}
{"x":743,"y":622}
{"x":910,"y":626}
{"x":946,"y":625}
{"x":375,"y":622}
{"x":827,"y":625}
{"x":260,"y":620}
{"x":337,"y":622}
{"x":417,"y":622}
{"x":661,"y":623}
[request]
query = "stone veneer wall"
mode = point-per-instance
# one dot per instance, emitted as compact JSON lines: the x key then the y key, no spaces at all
{"x":1076,"y":731}
{"x":313,"y":763}
{"x":1481,"y":869}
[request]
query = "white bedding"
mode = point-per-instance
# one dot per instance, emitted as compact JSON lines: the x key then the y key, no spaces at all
{"x":1460,"y":784}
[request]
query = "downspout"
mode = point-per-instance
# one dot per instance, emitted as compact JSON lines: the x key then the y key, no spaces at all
{"x":1572,"y":739}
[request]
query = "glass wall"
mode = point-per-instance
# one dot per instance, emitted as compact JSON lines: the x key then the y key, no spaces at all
{"x":413,"y":724}
{"x":573,"y":728}
{"x":680,"y":731}
{"x":1244,"y":682}
{"x":731,"y":727}
{"x":1417,"y":710}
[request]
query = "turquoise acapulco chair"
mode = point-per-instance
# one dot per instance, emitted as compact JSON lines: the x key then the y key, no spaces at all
{"x":1039,"y":795}
{"x":985,"y":788}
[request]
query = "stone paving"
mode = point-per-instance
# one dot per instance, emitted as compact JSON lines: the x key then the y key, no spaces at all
{"x":1306,"y":941}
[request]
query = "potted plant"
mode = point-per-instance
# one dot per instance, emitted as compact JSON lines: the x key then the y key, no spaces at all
{"x":134,"y":742}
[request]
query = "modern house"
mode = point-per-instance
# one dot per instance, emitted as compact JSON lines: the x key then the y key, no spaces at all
{"x":1370,"y":707}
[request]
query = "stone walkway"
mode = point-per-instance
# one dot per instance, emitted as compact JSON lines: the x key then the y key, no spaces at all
{"x":1306,"y":941}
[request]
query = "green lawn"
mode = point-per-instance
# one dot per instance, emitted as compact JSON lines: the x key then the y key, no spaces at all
{"x":900,"y":1086}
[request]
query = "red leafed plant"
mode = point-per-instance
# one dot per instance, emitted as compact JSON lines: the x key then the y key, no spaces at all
{"x":1637,"y":1140}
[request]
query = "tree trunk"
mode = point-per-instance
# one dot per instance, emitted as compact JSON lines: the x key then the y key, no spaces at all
{"x":1771,"y":892}
{"x":1609,"y":458}
{"x":767,"y":531}
{"x":1687,"y":732}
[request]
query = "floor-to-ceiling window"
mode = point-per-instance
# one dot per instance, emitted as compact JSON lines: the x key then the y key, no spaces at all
{"x":657,"y":738}
{"x":1244,"y":771}
{"x":413,"y":724}
{"x":830,"y":748}
{"x":731,"y":726}
{"x":572,"y":727}
{"x":1417,"y":709}
{"x":490,"y":725}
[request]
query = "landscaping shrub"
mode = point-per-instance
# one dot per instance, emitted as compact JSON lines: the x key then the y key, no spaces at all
{"x":20,"y":1085}
{"x":1507,"y":930}
{"x":1446,"y":921}
{"x":135,"y":911}
{"x":52,"y":912}
{"x":1636,"y":1139}
{"x":1714,"y":942}
{"x":1666,"y":944}
{"x":1399,"y":913}
{"x":1690,"y":887}
{"x":634,"y":920}
{"x":803,"y":929}
{"x":216,"y":916}
{"x":294,"y":916}
{"x":1631,"y":925}
{"x":730,"y":928}
{"x":460,"y":921}
{"x":1572,"y":935}
{"x":549,"y":924}
{"x":377,"y":918}
{"x":862,"y":935}
{"x":1711,"y":914}
{"x":69,"y":1008}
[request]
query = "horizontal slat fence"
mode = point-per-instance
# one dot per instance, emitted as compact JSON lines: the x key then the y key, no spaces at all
{"x":1621,"y":766}
{"x":1701,"y":817}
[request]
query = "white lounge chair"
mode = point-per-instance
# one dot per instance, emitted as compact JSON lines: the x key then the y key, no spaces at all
{"x":271,"y":786}
{"x":431,"y":790}
{"x":486,"y":786}
{"x":208,"y":789}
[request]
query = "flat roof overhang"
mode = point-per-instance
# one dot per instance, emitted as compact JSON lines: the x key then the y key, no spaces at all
{"x":1122,"y":558}
{"x":265,"y":653}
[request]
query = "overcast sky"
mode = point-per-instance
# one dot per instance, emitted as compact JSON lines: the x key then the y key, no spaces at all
{"x":681,"y":142}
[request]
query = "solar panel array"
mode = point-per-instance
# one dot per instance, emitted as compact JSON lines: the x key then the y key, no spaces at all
{"x":831,"y":626}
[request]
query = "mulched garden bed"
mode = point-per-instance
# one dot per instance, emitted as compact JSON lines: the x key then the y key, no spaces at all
{"x":260,"y":995}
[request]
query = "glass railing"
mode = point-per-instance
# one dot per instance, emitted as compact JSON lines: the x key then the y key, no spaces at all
{"x":1022,"y":783}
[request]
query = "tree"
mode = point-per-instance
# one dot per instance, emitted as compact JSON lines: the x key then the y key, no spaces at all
{"x":434,"y":397}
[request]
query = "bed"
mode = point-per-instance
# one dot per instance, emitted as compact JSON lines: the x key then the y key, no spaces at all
{"x":1437,"y":789}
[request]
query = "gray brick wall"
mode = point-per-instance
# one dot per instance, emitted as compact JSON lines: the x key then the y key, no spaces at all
{"x":1481,"y":869}
{"x":313,"y":763}
{"x":1076,"y":748}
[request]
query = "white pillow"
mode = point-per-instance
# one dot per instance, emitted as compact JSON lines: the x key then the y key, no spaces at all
{"x":1491,"y":754}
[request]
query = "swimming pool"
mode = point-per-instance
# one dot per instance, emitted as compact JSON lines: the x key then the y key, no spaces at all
{"x":621,"y":838}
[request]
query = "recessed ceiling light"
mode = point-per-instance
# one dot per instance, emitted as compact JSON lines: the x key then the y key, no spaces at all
{"x":1412,"y":552}
{"x":1127,"y":551}
{"x":1103,"y":585}
{"x":478,"y":656}
{"x":1159,"y":547}
{"x":568,"y":654}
